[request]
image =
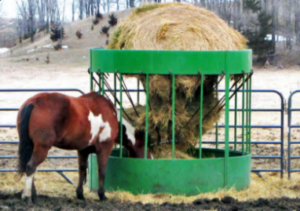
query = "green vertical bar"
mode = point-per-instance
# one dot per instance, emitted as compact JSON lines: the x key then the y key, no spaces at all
{"x":250,"y":112}
{"x":102,"y":84}
{"x":90,"y":163}
{"x":217,"y":135}
{"x":147,"y":115}
{"x":90,"y":167}
{"x":243,"y":115}
{"x":115,"y":87}
{"x":201,"y":117}
{"x":247,"y":115}
{"x":173,"y":116}
{"x":235,"y":117}
{"x":90,"y":70}
{"x":121,"y":116}
{"x":138,"y":92}
{"x":91,"y":81}
{"x":217,"y":124}
{"x":227,"y":84}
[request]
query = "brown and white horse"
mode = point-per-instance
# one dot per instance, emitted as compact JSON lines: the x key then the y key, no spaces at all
{"x":88,"y":124}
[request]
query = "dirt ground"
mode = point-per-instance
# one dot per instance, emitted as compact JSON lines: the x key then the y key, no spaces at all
{"x":13,"y":202}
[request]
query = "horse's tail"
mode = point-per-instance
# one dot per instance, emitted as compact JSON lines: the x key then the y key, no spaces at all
{"x":25,"y":144}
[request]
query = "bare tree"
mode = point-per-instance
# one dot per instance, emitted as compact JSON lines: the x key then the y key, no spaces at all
{"x":73,"y":10}
{"x":92,"y":3}
{"x":297,"y":21}
{"x":1,"y":8}
{"x":41,"y":13}
{"x":81,"y":8}
{"x":131,"y":3}
{"x":87,"y":5}
{"x":98,"y":2}
{"x":288,"y":31}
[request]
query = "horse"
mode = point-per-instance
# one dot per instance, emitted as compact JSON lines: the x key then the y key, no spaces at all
{"x":88,"y":124}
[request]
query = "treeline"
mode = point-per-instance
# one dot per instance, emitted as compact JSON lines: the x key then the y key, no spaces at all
{"x":263,"y":22}
{"x":266,"y":23}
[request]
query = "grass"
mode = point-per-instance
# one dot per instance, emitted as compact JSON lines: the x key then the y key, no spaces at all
{"x":52,"y":184}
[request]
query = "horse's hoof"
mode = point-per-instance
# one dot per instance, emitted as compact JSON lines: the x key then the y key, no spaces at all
{"x":27,"y":200}
{"x":103,"y":198}
{"x":80,"y":196}
{"x":33,"y":198}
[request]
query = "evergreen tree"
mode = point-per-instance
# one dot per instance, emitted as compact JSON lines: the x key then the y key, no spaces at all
{"x":112,"y":20}
{"x":105,"y":30}
{"x":257,"y":32}
{"x":57,"y":33}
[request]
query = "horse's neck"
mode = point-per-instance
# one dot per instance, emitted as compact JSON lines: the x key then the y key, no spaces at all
{"x":129,"y":132}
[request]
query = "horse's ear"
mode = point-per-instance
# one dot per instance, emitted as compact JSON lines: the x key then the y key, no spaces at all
{"x":140,"y":134}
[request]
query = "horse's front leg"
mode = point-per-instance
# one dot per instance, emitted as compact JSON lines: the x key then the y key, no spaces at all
{"x":82,"y":166}
{"x":102,"y":156}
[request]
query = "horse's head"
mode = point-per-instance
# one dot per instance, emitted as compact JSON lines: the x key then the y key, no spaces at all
{"x":134,"y":141}
{"x":138,"y":150}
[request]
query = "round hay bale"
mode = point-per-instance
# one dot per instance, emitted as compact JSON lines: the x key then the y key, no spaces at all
{"x":175,"y":26}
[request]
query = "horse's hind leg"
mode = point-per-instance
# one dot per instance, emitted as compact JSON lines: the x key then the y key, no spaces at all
{"x":82,"y":165}
{"x":103,"y":153}
{"x":38,"y":156}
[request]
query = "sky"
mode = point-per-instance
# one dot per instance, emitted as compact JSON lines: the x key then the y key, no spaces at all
{"x":9,"y":9}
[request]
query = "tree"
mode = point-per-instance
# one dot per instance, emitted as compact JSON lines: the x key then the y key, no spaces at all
{"x":57,"y":33}
{"x":289,"y":29}
{"x":113,"y":20}
{"x":31,"y":12}
{"x":27,"y":11}
{"x":73,"y":10}
{"x":258,"y":29}
{"x":41,"y":13}
{"x":297,"y":21}
{"x":81,"y":8}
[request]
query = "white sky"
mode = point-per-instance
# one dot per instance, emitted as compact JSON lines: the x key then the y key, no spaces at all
{"x":9,"y":8}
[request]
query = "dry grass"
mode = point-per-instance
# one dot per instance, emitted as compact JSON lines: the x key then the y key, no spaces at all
{"x":270,"y":186}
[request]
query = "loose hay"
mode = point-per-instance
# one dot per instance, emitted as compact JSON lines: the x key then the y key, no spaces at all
{"x":174,"y":26}
{"x":52,"y":184}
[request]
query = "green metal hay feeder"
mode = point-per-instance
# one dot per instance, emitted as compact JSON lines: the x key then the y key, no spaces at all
{"x":213,"y":168}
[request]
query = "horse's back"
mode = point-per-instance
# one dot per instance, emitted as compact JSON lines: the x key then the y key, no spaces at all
{"x":50,"y":109}
{"x":101,"y":109}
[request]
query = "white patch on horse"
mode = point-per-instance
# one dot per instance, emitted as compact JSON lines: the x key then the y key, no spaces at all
{"x":130,"y":130}
{"x":96,"y":123}
{"x":28,"y":186}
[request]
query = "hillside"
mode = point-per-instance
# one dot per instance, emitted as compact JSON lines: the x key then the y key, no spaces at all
{"x":77,"y":51}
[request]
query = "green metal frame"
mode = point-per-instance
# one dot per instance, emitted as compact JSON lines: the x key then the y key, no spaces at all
{"x":179,"y":62}
{"x":160,"y":175}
